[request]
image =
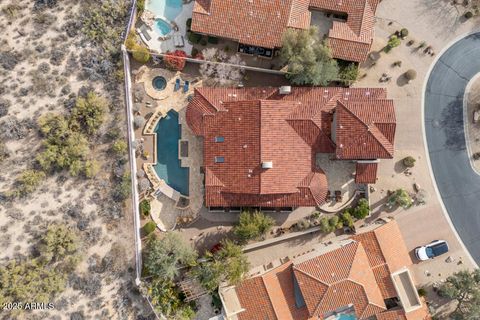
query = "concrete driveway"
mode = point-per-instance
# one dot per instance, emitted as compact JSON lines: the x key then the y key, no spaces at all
{"x":457,"y":182}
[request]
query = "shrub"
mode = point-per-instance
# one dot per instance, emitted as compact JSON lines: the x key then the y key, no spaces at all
{"x":400,"y":197}
{"x":141,"y":54}
{"x":403,"y":33}
{"x":131,"y":41}
{"x":410,"y":75}
{"x":145,"y":208}
{"x":58,"y":242}
{"x":409,"y":161}
{"x":89,"y":112}
{"x":4,"y":153}
{"x":303,"y":224}
{"x":92,"y":167}
{"x":140,"y":7}
{"x":175,"y":60}
{"x":138,"y":122}
{"x":29,"y":181}
{"x":119,"y":147}
{"x":252,"y":225}
{"x":422,"y":292}
{"x":149,"y":227}
{"x":328,"y":225}
{"x":188,"y":23}
{"x":468,"y":14}
{"x":212,"y":40}
{"x":335,"y":223}
{"x":392,"y":43}
{"x":475,"y":156}
{"x":362,"y":209}
{"x":195,"y":52}
{"x":194,"y":37}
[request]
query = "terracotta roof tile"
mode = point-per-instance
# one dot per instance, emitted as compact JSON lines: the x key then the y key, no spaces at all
{"x":366,"y":172}
{"x":252,"y":293}
{"x":356,"y":273}
{"x":252,"y":20}
{"x":260,"y":125}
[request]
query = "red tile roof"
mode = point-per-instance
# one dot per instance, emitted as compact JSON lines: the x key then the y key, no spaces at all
{"x":262,"y":23}
{"x":355,"y":274}
{"x":366,"y":172}
{"x":260,"y":125}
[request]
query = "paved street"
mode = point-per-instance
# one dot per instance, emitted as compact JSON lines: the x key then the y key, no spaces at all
{"x":457,"y":182}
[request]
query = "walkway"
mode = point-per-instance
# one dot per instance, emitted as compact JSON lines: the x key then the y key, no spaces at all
{"x":457,"y":182}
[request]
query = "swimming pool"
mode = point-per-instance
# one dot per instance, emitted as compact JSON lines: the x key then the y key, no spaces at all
{"x":346,"y":317}
{"x":168,"y":167}
{"x":168,"y":9}
{"x":162,"y":27}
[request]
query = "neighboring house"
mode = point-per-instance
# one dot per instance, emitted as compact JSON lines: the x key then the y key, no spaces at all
{"x":261,"y":23}
{"x":260,"y":144}
{"x":365,"y":277}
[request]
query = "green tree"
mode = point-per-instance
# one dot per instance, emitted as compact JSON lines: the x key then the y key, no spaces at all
{"x":409,"y":162}
{"x":166,"y":298}
{"x":362,"y":209}
{"x":58,"y":242}
{"x":252,"y":225}
{"x":29,"y":181}
{"x":308,"y":59}
{"x":164,"y":256}
{"x":89,"y":112}
{"x":401,"y":198}
{"x":347,"y":218}
{"x":464,"y":287}
{"x":228,"y":264}
{"x":123,"y":188}
{"x":349,"y":73}
{"x":325,"y":225}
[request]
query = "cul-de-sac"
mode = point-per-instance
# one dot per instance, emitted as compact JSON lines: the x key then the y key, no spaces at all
{"x":240,"y":159}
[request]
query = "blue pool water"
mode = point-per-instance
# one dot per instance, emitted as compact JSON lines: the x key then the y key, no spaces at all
{"x":168,"y":165}
{"x":162,"y":27}
{"x":159,"y":83}
{"x":346,"y":317}
{"x":168,"y":9}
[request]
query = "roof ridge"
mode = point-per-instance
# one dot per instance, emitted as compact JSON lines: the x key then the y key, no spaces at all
{"x":268,"y":295}
{"x":362,"y":20}
{"x":381,"y":135}
{"x":352,"y":113}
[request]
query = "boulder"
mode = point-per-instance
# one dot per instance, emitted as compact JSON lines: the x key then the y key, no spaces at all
{"x":476,"y":116}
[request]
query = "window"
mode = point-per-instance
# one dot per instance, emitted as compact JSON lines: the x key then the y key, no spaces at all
{"x":219,"y":159}
{"x":219,"y":139}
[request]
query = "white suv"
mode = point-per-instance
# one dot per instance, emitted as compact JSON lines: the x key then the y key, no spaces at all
{"x":431,"y":250}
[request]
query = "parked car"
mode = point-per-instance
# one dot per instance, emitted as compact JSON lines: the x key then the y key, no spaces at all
{"x":431,"y":250}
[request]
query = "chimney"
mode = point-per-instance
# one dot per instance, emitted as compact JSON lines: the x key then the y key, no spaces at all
{"x":285,"y":90}
{"x":267,"y":165}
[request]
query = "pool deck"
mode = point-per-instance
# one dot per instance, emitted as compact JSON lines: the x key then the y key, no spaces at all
{"x":162,"y":46}
{"x":165,"y":200}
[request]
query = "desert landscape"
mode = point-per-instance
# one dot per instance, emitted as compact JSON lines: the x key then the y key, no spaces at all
{"x":61,"y":81}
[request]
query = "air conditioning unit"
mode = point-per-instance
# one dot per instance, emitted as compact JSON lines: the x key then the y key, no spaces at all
{"x":285,"y":90}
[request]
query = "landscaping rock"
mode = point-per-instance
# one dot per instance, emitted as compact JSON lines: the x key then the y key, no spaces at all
{"x":476,"y":116}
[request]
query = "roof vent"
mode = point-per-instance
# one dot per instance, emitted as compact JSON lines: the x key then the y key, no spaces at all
{"x":239,"y":118}
{"x":244,"y":146}
{"x":267,"y":165}
{"x":285,"y":90}
{"x":250,"y":171}
{"x":249,"y":175}
{"x":367,"y":93}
